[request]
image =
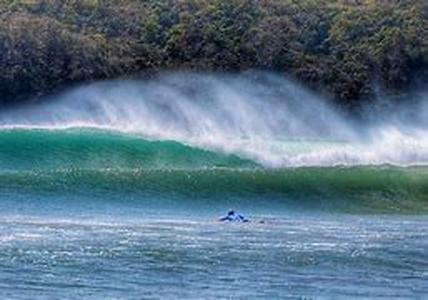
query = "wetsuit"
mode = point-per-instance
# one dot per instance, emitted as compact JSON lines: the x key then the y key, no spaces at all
{"x":234,"y":217}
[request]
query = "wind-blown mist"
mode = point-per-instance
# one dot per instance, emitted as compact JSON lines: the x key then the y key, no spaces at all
{"x":260,"y":116}
{"x":123,"y":182}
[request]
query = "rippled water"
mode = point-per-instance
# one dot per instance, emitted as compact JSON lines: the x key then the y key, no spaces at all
{"x":299,"y":255}
{"x":113,"y":191}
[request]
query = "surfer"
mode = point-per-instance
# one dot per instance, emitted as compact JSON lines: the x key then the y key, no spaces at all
{"x":232,"y":216}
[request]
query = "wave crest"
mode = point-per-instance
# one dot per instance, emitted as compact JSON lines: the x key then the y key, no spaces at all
{"x":257,"y":116}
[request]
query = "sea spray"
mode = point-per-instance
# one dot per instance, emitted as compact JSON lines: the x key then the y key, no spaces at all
{"x":258,"y":116}
{"x":230,"y":138}
{"x":244,"y":115}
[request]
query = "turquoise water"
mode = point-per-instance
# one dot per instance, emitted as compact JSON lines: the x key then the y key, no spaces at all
{"x":97,"y":214}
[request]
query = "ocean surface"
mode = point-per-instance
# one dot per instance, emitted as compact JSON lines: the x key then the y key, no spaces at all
{"x":141,"y":221}
{"x":114,"y":191}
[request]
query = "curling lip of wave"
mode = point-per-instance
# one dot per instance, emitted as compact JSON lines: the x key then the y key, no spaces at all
{"x":262,"y":118}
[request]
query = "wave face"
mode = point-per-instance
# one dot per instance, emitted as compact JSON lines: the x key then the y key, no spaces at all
{"x":86,"y":149}
{"x":258,"y":116}
{"x":191,"y":136}
{"x":353,"y":190}
{"x":115,"y":165}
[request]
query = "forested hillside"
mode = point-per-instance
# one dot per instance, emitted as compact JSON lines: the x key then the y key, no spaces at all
{"x":347,"y":49}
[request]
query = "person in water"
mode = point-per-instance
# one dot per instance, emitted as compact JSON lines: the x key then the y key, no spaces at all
{"x":232,"y":216}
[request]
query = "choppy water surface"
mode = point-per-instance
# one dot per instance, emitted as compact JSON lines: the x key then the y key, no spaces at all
{"x":297,"y":255}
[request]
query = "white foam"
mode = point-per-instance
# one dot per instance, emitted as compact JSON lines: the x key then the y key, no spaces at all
{"x":272,"y":120}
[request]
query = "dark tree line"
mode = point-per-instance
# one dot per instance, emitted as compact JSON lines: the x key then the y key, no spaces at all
{"x":346,"y":48}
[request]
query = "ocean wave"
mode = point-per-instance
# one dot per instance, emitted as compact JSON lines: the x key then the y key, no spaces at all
{"x":261,"y":118}
{"x":364,"y":188}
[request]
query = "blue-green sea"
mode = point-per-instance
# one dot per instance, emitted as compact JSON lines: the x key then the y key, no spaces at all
{"x":114,"y":190}
{"x":140,"y":221}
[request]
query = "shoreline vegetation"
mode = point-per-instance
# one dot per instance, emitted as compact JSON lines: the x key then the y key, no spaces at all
{"x":346,"y":49}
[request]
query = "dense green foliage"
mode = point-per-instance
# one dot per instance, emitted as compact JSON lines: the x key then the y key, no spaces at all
{"x":347,"y":48}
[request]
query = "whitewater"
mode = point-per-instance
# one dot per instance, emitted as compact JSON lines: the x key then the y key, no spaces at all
{"x":113,"y":190}
{"x":260,"y":116}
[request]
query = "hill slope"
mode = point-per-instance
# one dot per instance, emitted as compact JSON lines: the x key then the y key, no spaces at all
{"x":344,"y":48}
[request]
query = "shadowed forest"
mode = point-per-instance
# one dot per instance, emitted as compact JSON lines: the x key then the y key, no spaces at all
{"x":348,"y":50}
